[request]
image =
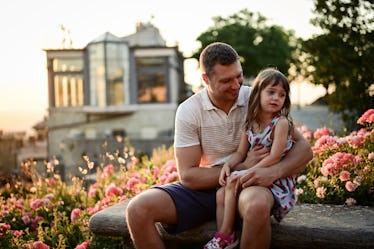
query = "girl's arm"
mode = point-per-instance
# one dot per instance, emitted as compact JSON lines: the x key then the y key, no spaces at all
{"x":239,"y":155}
{"x":280,"y":136}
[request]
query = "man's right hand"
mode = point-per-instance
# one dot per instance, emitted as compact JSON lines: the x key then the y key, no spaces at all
{"x":256,"y":154}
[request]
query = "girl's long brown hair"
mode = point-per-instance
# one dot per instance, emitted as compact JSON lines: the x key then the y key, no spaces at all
{"x":264,"y":78}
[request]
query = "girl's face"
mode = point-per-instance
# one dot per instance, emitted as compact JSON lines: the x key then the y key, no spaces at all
{"x":272,"y":98}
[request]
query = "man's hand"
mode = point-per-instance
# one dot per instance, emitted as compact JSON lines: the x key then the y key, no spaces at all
{"x":254,"y":155}
{"x":258,"y":176}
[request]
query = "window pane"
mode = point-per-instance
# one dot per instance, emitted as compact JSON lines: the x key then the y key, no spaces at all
{"x":150,"y":61}
{"x":151,"y":88}
{"x":97,"y":75}
{"x":68,"y":65}
{"x":68,"y":90}
{"x":151,"y":75}
{"x":115,"y":73}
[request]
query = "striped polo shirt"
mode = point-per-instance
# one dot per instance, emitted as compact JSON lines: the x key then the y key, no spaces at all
{"x":199,"y":122}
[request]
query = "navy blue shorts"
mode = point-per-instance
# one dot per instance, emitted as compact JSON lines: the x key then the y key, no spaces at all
{"x":194,"y":207}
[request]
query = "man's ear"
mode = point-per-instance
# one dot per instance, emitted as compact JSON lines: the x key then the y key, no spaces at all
{"x":205,"y":78}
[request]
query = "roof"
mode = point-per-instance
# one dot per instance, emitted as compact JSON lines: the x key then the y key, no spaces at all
{"x":146,"y":35}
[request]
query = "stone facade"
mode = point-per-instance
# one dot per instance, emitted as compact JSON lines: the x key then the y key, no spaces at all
{"x":127,"y":88}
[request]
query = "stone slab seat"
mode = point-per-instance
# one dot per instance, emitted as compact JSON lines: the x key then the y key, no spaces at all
{"x":307,"y":226}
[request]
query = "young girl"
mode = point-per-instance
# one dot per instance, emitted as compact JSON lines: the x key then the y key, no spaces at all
{"x":268,"y":124}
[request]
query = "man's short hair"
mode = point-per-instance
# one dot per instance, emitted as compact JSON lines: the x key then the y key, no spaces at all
{"x":217,"y":53}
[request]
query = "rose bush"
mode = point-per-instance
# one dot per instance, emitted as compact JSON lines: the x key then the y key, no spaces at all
{"x":41,"y":211}
{"x":342,"y":170}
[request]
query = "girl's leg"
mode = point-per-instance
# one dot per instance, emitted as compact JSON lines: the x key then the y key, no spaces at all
{"x":229,"y":210}
{"x":220,"y":199}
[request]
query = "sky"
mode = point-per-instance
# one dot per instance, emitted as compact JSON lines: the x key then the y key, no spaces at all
{"x":28,"y":27}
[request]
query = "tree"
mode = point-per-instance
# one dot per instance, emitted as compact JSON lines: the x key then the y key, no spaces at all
{"x":258,"y":44}
{"x":342,"y":57}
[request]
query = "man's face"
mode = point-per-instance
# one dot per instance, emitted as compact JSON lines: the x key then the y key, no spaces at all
{"x":225,"y":82}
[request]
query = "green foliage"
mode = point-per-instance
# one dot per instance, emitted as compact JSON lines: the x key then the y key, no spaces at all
{"x":258,"y":44}
{"x":341,"y":58}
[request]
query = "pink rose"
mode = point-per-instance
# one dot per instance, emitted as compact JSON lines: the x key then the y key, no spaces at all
{"x":113,"y":190}
{"x":75,"y":214}
{"x":371,"y":156}
{"x":321,"y":132}
{"x":321,"y":192}
{"x":344,"y":176}
{"x":350,"y":202}
{"x":39,"y":245}
{"x":350,"y":186}
{"x":35,"y":204}
{"x":17,"y":233}
{"x":84,"y":245}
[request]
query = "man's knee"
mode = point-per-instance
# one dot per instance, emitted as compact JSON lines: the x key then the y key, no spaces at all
{"x":136,"y":208}
{"x":141,"y":206}
{"x":255,"y":201}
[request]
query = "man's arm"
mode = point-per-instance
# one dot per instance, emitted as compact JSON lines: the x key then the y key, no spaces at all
{"x":190,"y":174}
{"x":294,"y":163}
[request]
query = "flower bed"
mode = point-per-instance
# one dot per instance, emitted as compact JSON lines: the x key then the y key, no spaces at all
{"x":43,"y":212}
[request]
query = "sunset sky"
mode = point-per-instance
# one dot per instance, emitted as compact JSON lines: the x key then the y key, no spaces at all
{"x":28,"y":27}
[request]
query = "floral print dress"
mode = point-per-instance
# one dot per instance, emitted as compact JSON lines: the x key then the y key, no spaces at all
{"x":283,"y":189}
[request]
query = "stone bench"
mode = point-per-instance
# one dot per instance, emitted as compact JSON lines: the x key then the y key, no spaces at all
{"x":309,"y":226}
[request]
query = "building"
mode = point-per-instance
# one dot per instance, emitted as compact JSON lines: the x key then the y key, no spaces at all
{"x":115,"y":87}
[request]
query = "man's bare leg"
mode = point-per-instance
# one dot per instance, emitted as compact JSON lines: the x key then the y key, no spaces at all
{"x":143,"y":211}
{"x":254,"y":205}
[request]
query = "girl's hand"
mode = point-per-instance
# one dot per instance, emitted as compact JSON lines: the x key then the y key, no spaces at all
{"x":225,"y":172}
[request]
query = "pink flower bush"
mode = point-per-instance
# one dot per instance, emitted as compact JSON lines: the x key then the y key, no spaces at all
{"x":307,"y":134}
{"x":342,"y":171}
{"x":366,"y":118}
{"x":326,"y":143}
{"x":324,"y":131}
{"x":4,"y":228}
{"x":112,"y":190}
{"x":37,"y":203}
{"x":337,"y":162}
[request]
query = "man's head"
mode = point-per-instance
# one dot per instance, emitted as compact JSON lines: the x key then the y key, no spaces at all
{"x":217,"y":53}
{"x":222,"y":74}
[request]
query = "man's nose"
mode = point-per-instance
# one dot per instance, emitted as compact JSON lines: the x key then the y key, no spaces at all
{"x":236,"y":84}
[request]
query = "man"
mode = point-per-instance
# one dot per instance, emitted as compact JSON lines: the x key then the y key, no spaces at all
{"x":208,"y":126}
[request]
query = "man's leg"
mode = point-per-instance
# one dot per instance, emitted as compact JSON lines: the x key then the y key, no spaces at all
{"x":255,"y":204}
{"x":143,"y":211}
